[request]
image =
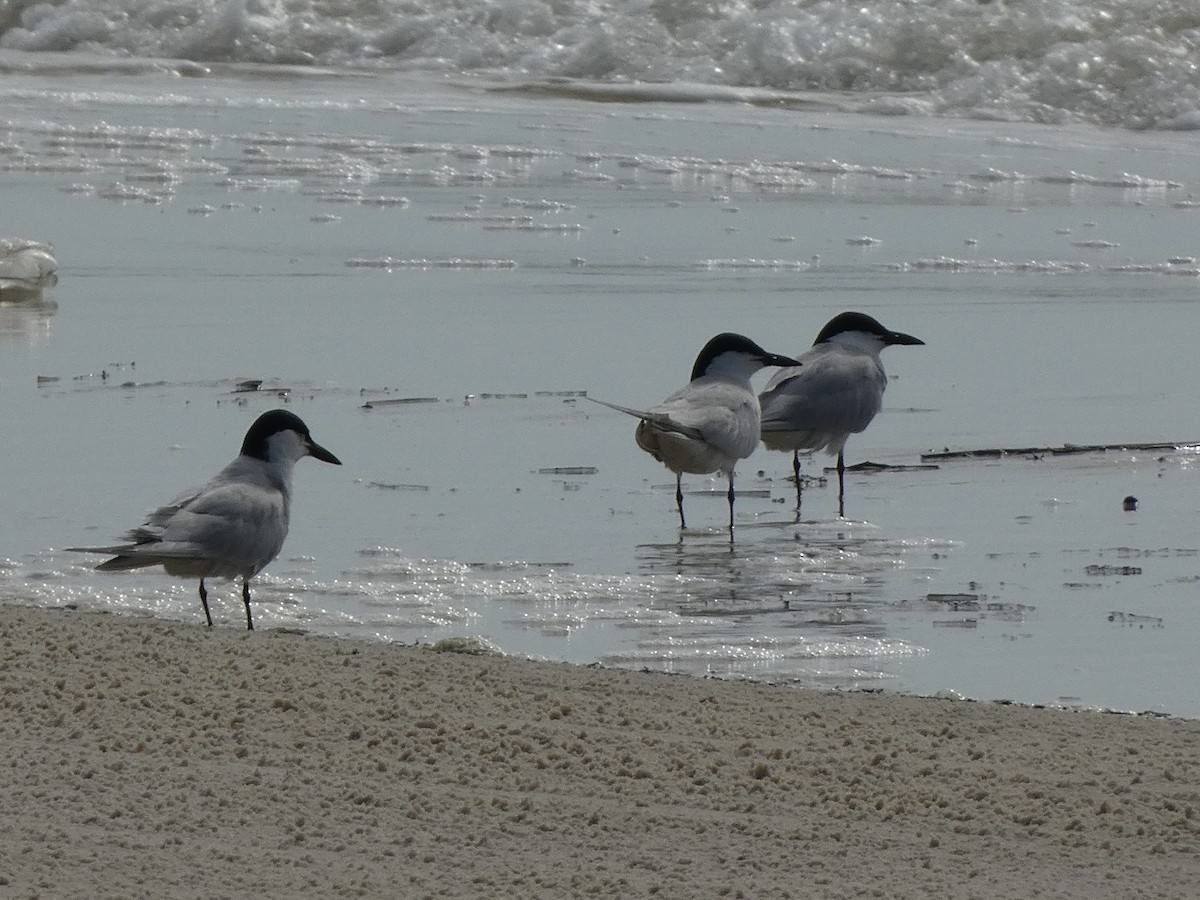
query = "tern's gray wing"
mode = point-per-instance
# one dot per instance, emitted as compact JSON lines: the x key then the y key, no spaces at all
{"x":833,"y":393}
{"x":723,"y":414}
{"x":150,"y":532}
{"x":161,"y":517}
{"x":655,"y":417}
{"x":243,"y":524}
{"x":228,"y":528}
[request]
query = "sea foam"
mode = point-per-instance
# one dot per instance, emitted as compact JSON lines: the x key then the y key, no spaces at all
{"x":1128,"y":63}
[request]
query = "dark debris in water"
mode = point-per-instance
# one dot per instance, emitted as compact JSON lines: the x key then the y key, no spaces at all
{"x":1063,"y":450}
{"x":806,"y":481}
{"x":978,"y":606}
{"x":1104,"y":569}
{"x":1135,"y":620}
{"x":869,"y":467}
{"x":398,"y":401}
{"x":737,"y":611}
{"x":954,"y":601}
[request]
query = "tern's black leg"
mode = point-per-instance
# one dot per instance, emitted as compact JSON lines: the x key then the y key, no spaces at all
{"x":796,"y":472}
{"x":246,"y":601}
{"x":679,"y":498}
{"x":730,"y":507}
{"x":841,"y":467}
{"x":204,"y":602}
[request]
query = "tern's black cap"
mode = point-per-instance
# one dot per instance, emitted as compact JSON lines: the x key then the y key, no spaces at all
{"x":856,"y":321}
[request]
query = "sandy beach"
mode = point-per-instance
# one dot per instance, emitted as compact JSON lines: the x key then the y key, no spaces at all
{"x":146,"y":758}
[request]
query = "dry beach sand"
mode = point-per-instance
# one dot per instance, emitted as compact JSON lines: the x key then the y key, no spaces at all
{"x":157,"y":759}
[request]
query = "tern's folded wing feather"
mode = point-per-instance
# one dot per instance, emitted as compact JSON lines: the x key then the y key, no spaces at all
{"x":725,"y":416}
{"x":159,"y":518}
{"x":832,"y":393}
{"x":238,"y":522}
{"x":228,"y":527}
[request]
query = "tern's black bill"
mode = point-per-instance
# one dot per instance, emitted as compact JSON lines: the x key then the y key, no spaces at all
{"x":319,"y":452}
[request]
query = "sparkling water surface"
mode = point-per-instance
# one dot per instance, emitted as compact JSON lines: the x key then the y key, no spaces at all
{"x":433,"y":273}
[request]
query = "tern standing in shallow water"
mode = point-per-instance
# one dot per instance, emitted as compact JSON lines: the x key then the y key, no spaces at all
{"x":712,"y":421}
{"x":236,"y":523}
{"x":835,"y":393}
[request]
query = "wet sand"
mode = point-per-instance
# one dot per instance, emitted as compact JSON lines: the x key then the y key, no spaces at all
{"x":147,"y":758}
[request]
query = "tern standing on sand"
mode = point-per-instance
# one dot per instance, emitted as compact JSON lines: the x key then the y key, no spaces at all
{"x":235,"y":524}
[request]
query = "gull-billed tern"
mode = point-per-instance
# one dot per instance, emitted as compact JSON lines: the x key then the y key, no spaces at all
{"x":712,"y":421}
{"x":835,"y":393}
{"x":236,"y":523}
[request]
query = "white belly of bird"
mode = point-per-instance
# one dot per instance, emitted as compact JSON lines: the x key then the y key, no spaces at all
{"x":804,"y":440}
{"x":682,"y":454}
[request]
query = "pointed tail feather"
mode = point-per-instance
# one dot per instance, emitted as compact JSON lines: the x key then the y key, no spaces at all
{"x":121,"y":563}
{"x":114,"y":549}
{"x":658,"y":420}
{"x":120,"y":560}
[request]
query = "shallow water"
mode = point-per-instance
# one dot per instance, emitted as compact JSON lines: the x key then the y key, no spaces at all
{"x":491,"y":256}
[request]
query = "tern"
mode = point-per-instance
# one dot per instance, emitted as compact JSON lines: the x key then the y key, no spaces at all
{"x":835,"y":393}
{"x":712,"y":421}
{"x":236,"y":523}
